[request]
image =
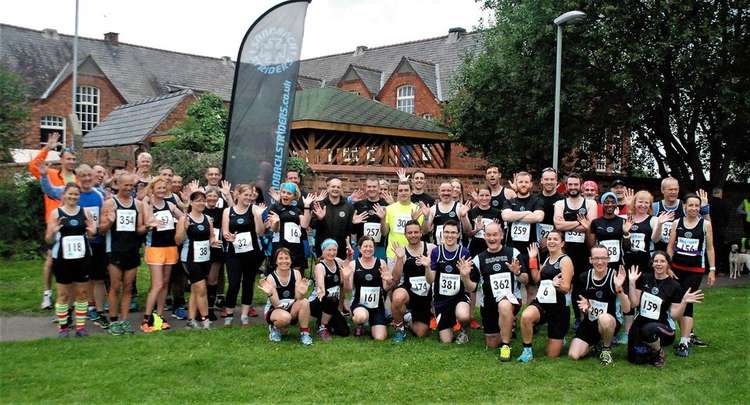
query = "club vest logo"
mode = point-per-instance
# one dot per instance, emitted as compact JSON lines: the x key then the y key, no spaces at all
{"x":286,"y":294}
{"x":452,"y":214}
{"x":74,"y":222}
{"x":688,"y":234}
{"x":556,"y":265}
{"x":610,"y":229}
{"x":495,"y":203}
{"x":634,"y":228}
{"x":240,"y":221}
{"x":342,"y":214}
{"x":599,"y":294}
{"x":497,"y":267}
{"x":582,"y":211}
{"x":368,"y":277}
{"x":273,"y":50}
{"x":655,"y":290}
{"x":201,"y":227}
{"x":448,"y":268}
{"x":336,"y":278}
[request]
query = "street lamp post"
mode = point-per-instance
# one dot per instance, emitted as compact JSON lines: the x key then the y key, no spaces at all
{"x":568,"y":18}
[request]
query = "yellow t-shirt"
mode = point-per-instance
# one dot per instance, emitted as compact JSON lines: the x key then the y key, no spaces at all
{"x":396,"y":216}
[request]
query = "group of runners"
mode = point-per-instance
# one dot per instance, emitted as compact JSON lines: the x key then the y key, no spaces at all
{"x":615,"y":267}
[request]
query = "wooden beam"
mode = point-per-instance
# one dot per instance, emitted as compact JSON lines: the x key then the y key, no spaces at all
{"x":313,"y":153}
{"x":375,"y":169}
{"x":368,"y":129}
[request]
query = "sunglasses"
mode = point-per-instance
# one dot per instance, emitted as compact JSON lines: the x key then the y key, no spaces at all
{"x":549,"y":169}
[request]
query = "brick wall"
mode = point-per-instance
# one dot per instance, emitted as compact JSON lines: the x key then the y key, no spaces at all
{"x":177,"y":115}
{"x":424,"y":100}
{"x":59,"y":104}
{"x":356,"y":86}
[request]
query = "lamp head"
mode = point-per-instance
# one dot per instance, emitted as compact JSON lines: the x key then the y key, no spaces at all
{"x":571,"y":17}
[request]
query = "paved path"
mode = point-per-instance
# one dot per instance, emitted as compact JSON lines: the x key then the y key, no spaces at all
{"x":14,"y":328}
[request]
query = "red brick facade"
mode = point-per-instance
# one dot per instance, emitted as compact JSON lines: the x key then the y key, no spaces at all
{"x":424,"y":101}
{"x":356,"y":86}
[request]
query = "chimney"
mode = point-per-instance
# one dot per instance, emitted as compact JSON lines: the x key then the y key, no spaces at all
{"x":50,"y":33}
{"x":360,"y":50}
{"x":454,"y":34}
{"x":227,"y":60}
{"x":112,"y":38}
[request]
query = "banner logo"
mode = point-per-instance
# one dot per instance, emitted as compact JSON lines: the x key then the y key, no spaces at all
{"x":273,"y":50}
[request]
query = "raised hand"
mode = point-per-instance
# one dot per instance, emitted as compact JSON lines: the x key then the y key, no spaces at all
{"x":423,"y":261}
{"x":273,"y":192}
{"x":583,"y":304}
{"x":464,"y":267}
{"x":584,"y":221}
{"x":465,"y":208}
{"x":628,"y":196}
{"x":266,"y":286}
{"x":533,"y":250}
{"x":620,"y":277}
{"x":349,"y":252}
{"x":308,"y":199}
{"x":474,"y":195}
{"x":512,"y":183}
{"x":273,"y":219}
{"x":398,"y":250}
{"x":319,"y":211}
{"x":358,"y":195}
{"x":385,"y":274}
{"x":515,"y":266}
{"x":478,"y":223}
{"x":703,"y":196}
{"x":416,"y":213}
{"x":627,"y":224}
{"x":387,"y":196}
{"x":321,"y":195}
{"x":52,"y":141}
{"x":226,"y":188}
{"x":401,"y":173}
{"x":360,"y":218}
{"x":262,"y":207}
{"x":666,"y":216}
{"x":693,"y":297}
{"x":633,"y":274}
{"x":379,"y":210}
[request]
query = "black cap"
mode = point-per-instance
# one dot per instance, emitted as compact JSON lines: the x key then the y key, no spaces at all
{"x":617,"y":182}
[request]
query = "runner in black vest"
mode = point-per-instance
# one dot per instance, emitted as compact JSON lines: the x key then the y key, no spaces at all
{"x":215,"y":280}
{"x":598,"y":301}
{"x":521,"y":215}
{"x":644,"y":231}
{"x":479,"y":216}
{"x":549,"y":196}
{"x":368,"y":278}
{"x":326,"y":297}
{"x":371,"y":225}
{"x":286,"y":221}
{"x":413,"y":291}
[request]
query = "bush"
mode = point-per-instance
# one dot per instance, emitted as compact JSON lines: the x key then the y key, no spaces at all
{"x":22,"y":219}
{"x":188,"y":164}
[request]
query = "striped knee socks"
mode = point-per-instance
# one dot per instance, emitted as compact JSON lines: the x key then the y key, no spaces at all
{"x":61,"y":310}
{"x":81,"y":314}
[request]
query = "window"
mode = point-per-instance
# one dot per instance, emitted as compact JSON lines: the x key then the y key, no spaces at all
{"x":427,"y":117}
{"x":601,"y":165}
{"x":405,"y":99}
{"x":354,"y":92}
{"x":87,"y":107}
{"x":50,"y":124}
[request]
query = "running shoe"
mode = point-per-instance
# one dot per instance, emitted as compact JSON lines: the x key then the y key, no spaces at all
{"x":324,"y":334}
{"x":359,"y":331}
{"x":605,"y":357}
{"x":92,"y":314}
{"x":274,"y":334}
{"x":102,"y":321}
{"x":400,"y":335}
{"x":433,"y":323}
{"x":660,"y":358}
{"x":244,"y":321}
{"x":206,"y":324}
{"x":475,"y":325}
{"x":407,"y":319}
{"x":46,"y":301}
{"x":696,"y":341}
{"x":526,"y":355}
{"x":81,"y":332}
{"x":220,"y":301}
{"x":63,"y":333}
{"x":462,"y":337}
{"x":505,"y":353}
{"x":127,"y":327}
{"x":682,"y":350}
{"x":306,"y":339}
{"x":192,"y":325}
{"x":456,"y":327}
{"x":228,"y":320}
{"x":180,"y":314}
{"x":252,"y":312}
{"x":115,"y":328}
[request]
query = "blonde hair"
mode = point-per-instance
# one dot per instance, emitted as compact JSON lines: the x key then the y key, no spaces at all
{"x":642,"y":195}
{"x":152,"y":184}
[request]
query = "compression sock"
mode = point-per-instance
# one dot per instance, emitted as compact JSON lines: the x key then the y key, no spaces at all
{"x":81,"y":308}
{"x":61,"y":310}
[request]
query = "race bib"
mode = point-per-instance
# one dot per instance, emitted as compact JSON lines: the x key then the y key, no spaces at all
{"x":125,"y":220}
{"x":519,"y":231}
{"x":292,"y":232}
{"x":401,"y":223}
{"x":546,"y":294}
{"x":613,"y":249}
{"x":243,"y":242}
{"x":650,"y":306}
{"x":94,"y":212}
{"x":419,"y":286}
{"x":333,"y":292}
{"x":166,"y":220}
{"x":369,"y":297}
{"x":542,"y":230}
{"x":73,"y":247}
{"x":449,"y":284}
{"x":286,"y":303}
{"x":201,"y":251}
{"x":666,"y":228}
{"x":575,"y":237}
{"x":500,"y":285}
{"x":597,"y":308}
{"x":637,"y":242}
{"x":439,"y":234}
{"x":688,"y":246}
{"x":372,"y":229}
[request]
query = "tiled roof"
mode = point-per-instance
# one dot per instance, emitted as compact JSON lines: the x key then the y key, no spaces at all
{"x":427,"y":72}
{"x":309,"y":82}
{"x":441,"y":51}
{"x":132,"y":123}
{"x":136,"y":71}
{"x":330,"y":104}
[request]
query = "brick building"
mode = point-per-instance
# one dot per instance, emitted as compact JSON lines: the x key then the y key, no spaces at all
{"x":130,"y":82}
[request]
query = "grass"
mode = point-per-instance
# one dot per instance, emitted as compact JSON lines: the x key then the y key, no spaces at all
{"x":240,"y":365}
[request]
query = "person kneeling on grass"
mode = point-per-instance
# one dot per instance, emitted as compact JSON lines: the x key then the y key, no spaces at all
{"x":68,"y":228}
{"x":368,"y":278}
{"x":661,"y":300}
{"x":552,"y":302}
{"x":602,"y":286}
{"x":324,"y":301}
{"x":287,"y":303}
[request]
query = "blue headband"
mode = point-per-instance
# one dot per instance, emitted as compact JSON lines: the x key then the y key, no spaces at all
{"x":327,"y":243}
{"x":608,"y":194}
{"x":290,"y":187}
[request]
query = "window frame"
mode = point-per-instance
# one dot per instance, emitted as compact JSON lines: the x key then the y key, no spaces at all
{"x":88,"y":107}
{"x":45,"y":123}
{"x":406,"y":102}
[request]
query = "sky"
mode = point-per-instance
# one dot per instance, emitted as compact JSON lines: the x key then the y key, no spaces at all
{"x":215,"y":28}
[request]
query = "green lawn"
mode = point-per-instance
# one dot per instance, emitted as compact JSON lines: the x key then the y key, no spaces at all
{"x":240,"y":365}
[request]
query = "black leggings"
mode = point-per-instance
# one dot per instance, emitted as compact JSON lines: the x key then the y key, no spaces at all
{"x":242,"y":269}
{"x":337,"y":324}
{"x":691,"y":280}
{"x":646,"y":333}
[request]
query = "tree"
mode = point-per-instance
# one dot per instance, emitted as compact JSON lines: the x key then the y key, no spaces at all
{"x":667,"y":77}
{"x":14,"y":112}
